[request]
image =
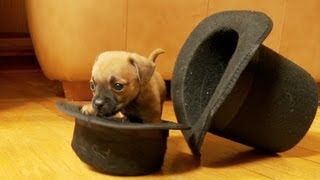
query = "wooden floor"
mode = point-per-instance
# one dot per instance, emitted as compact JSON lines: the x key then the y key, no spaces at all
{"x":35,"y":143}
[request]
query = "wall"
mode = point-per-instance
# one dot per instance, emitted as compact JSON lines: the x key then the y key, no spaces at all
{"x":167,"y":23}
{"x":12,"y":16}
{"x":14,"y":33}
{"x":78,"y":32}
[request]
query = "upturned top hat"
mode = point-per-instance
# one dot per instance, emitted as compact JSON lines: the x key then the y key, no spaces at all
{"x":227,"y":82}
{"x":114,"y":145}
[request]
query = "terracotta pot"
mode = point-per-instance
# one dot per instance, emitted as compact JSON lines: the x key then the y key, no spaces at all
{"x":68,"y":35}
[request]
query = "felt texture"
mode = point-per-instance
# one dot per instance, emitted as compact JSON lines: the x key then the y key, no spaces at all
{"x":116,"y":145}
{"x":120,"y":151}
{"x":226,"y":82}
{"x":114,"y":122}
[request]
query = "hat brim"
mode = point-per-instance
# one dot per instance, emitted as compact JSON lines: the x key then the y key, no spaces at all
{"x":114,"y":122}
{"x":209,"y":65}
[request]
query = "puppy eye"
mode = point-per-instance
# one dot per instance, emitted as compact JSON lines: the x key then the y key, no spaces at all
{"x":118,"y":86}
{"x":92,"y":85}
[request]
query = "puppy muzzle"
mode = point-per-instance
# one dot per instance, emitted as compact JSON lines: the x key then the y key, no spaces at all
{"x":104,"y":106}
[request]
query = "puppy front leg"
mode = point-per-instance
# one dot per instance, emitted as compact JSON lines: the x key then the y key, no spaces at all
{"x":88,"y":110}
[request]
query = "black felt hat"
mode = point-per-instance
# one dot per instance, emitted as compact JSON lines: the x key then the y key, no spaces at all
{"x":116,"y":146}
{"x":226,"y":82}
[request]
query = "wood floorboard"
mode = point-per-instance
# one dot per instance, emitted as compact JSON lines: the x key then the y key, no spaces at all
{"x":36,"y":137}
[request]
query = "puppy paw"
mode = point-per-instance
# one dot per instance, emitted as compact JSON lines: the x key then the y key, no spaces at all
{"x":87,"y":110}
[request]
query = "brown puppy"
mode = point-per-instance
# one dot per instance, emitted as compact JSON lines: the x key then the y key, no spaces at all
{"x":127,"y":83}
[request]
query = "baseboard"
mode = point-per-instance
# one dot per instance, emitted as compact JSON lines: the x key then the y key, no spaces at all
{"x":15,"y":44}
{"x":19,"y":63}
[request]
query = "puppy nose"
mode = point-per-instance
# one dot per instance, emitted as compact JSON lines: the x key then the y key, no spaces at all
{"x":98,"y":103}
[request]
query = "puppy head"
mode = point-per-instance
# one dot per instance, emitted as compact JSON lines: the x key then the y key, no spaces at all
{"x":116,"y":79}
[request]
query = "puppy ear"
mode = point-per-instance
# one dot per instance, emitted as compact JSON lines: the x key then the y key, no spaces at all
{"x":97,"y":58}
{"x":144,"y":67}
{"x":94,"y":63}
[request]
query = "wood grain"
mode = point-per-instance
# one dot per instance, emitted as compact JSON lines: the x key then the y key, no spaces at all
{"x":36,"y":137}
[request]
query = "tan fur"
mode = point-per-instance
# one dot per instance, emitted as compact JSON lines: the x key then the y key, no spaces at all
{"x":145,"y":89}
